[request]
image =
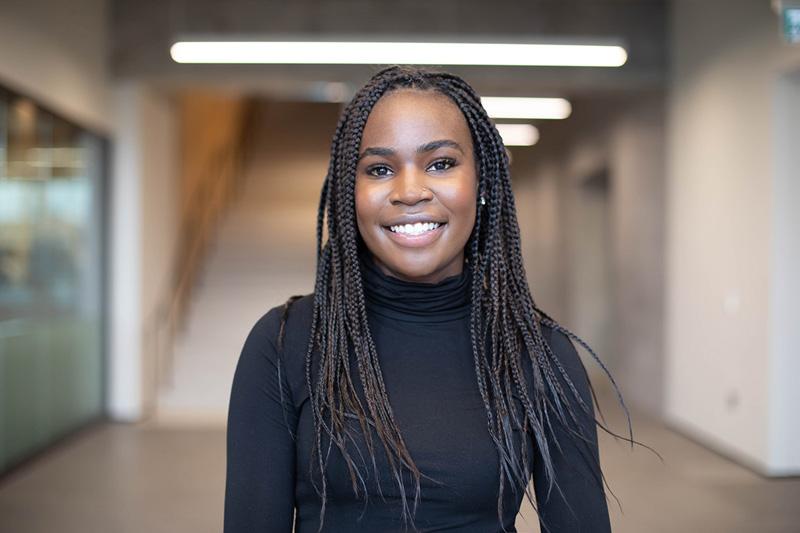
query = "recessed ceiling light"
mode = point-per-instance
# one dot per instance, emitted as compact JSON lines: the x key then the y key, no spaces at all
{"x":518,"y":134}
{"x":526,"y":108}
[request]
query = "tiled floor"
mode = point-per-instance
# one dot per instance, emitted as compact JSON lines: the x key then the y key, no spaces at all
{"x":147,"y":478}
{"x":121,"y":479}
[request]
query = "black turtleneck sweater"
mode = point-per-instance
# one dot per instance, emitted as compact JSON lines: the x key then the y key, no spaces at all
{"x":421,"y":332}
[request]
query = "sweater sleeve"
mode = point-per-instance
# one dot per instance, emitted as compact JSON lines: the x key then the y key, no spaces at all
{"x":260,"y":483}
{"x":576,"y":502}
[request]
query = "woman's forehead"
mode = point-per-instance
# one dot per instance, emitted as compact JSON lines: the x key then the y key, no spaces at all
{"x":413,"y":113}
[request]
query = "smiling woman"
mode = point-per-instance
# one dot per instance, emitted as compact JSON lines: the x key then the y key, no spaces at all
{"x":419,"y":387}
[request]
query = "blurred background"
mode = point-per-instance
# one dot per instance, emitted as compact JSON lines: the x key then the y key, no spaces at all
{"x":154,"y":204}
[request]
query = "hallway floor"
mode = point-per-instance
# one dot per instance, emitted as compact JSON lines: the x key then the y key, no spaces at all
{"x":156,"y":478}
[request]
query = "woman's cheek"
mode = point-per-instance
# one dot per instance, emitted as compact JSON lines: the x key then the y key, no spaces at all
{"x":368,"y":206}
{"x":461,"y":199}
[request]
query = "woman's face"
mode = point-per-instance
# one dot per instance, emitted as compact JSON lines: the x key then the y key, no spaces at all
{"x":416,"y":185}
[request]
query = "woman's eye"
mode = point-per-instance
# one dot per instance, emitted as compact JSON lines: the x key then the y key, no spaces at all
{"x":442,"y":164}
{"x":379,"y":170}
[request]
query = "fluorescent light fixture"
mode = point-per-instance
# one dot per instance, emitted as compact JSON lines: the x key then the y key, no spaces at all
{"x":526,"y":108}
{"x":410,"y":53}
{"x":518,"y":134}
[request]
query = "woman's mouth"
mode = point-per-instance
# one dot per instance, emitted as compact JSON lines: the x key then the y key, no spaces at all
{"x":415,"y":235}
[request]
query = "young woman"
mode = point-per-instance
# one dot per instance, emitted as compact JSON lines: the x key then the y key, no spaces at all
{"x":419,"y":387}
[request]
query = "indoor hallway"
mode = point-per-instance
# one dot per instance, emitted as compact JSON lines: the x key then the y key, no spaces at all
{"x":658,"y":217}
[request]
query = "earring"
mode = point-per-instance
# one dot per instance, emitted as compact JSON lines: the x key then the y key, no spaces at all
{"x":483,"y":200}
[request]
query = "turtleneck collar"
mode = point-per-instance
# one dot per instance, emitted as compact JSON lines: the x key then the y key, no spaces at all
{"x":409,"y":301}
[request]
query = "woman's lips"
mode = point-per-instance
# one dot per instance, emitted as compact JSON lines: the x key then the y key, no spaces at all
{"x":415,"y":241}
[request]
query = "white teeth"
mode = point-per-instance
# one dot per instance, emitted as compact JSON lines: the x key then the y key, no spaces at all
{"x":415,"y":229}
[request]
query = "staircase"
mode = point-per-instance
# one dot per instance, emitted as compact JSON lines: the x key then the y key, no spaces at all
{"x":262,"y":253}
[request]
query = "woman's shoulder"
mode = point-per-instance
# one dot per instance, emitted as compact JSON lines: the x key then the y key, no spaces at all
{"x":564,"y":351}
{"x":556,"y":338}
{"x":282,"y":328}
{"x":290,"y":315}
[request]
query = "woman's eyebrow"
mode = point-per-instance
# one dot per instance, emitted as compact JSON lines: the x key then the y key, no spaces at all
{"x":427,"y":147}
{"x":376,"y":150}
{"x":433,"y":145}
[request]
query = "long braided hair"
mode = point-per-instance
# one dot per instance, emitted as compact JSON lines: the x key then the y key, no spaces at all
{"x":505,"y":323}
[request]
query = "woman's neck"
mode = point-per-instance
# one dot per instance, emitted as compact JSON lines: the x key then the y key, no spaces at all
{"x":387,"y":295}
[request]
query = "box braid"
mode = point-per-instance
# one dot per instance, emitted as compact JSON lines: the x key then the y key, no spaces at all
{"x":505,"y":323}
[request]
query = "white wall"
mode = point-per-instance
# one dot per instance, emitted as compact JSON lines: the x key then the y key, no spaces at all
{"x":56,"y":53}
{"x":721,"y":227}
{"x":784,"y":399}
{"x":144,"y":229}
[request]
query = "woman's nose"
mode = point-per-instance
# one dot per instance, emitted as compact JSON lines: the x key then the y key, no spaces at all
{"x":410,"y":187}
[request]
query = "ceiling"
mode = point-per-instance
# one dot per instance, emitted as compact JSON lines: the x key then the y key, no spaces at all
{"x":143,"y":30}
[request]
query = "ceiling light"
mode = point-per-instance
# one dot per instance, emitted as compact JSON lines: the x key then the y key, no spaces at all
{"x":526,"y":108}
{"x":387,"y":53}
{"x":518,"y":134}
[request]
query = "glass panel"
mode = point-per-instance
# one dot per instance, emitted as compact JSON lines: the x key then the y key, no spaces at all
{"x":50,"y":278}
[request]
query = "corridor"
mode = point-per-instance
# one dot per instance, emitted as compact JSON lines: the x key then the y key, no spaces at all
{"x":159,"y":190}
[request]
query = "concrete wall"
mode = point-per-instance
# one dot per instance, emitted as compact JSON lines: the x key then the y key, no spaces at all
{"x":539,"y":214}
{"x":587,"y":244}
{"x":722,"y":338}
{"x":636,"y":156}
{"x":56,"y":52}
{"x":591,"y":215}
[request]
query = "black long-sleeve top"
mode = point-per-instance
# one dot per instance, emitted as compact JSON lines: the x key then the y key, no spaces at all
{"x":421,"y":333}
